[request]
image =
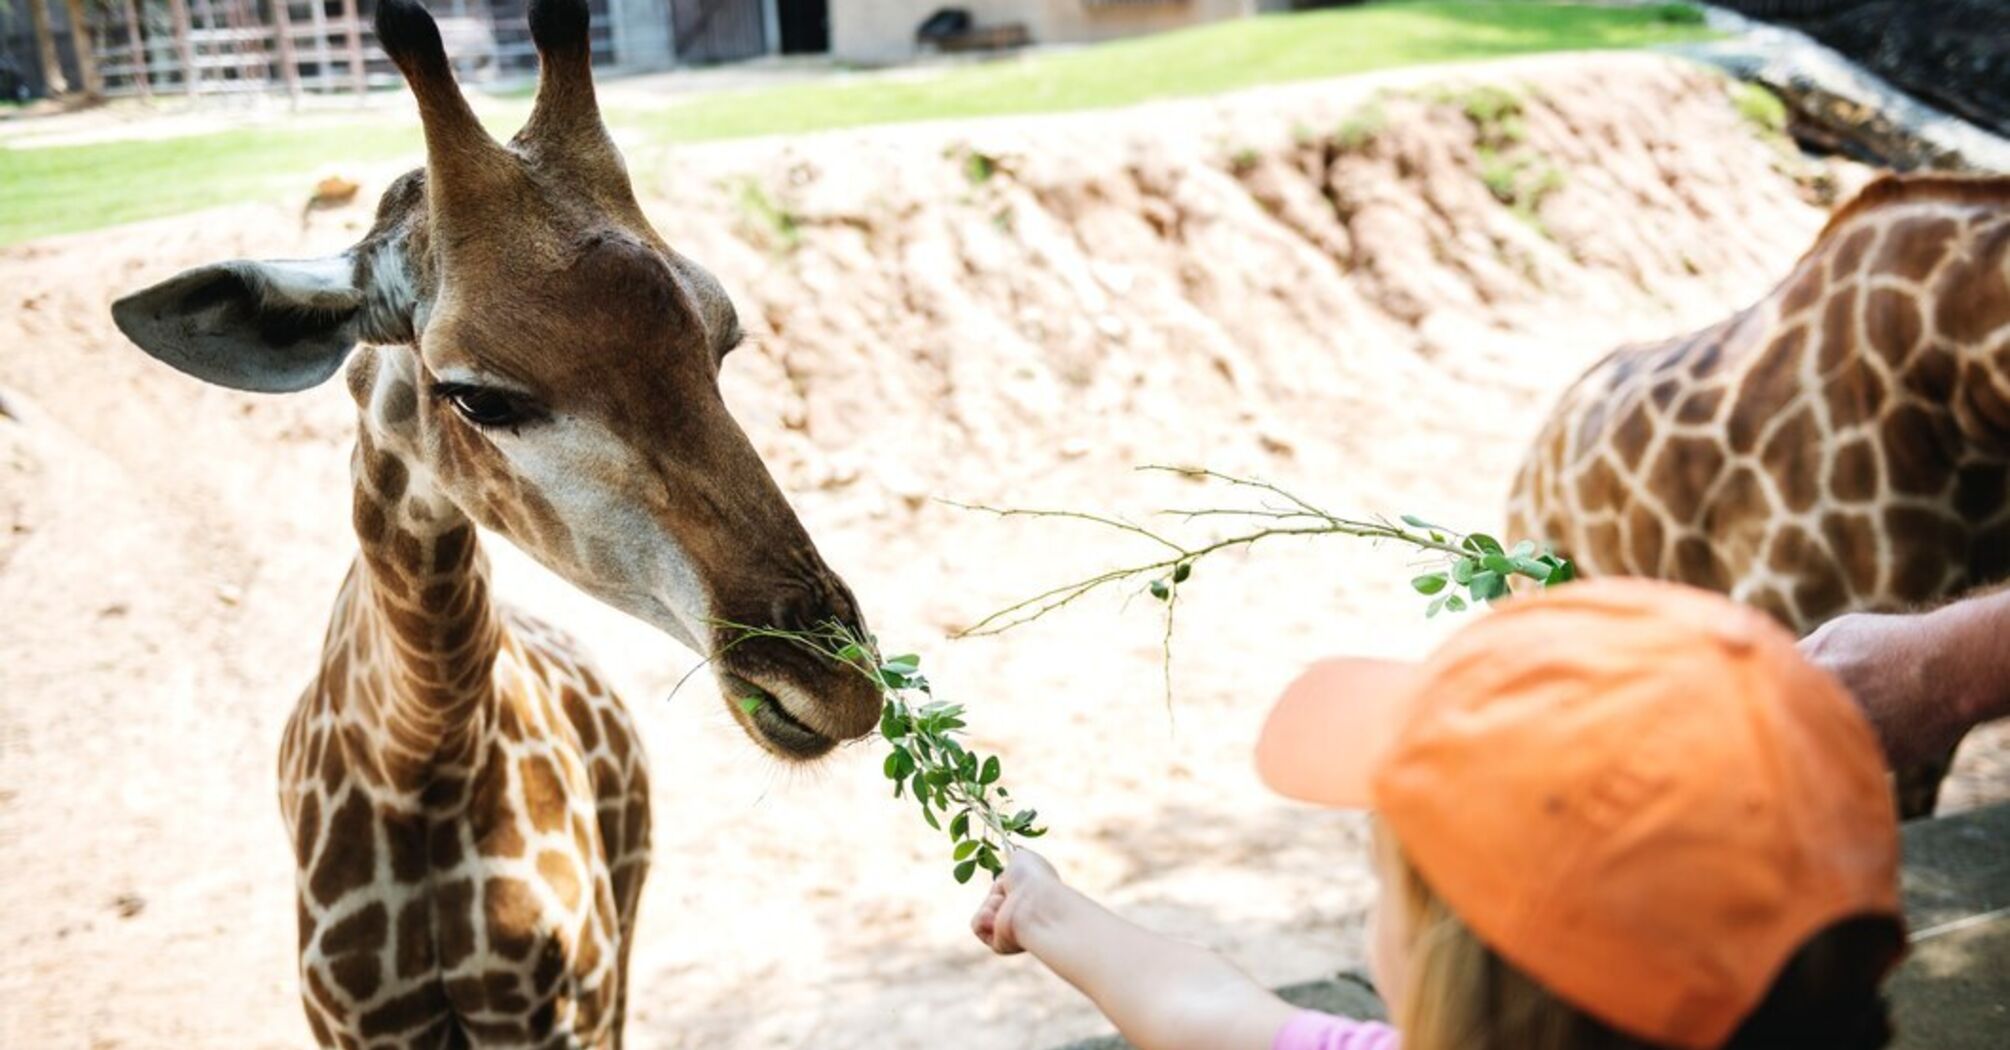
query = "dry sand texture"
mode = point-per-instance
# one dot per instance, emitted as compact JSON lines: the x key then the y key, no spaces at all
{"x":1200,"y":281}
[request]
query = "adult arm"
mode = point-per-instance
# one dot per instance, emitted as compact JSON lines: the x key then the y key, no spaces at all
{"x":1923,"y":678}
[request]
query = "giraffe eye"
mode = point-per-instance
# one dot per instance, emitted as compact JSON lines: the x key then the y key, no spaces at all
{"x":485,"y":407}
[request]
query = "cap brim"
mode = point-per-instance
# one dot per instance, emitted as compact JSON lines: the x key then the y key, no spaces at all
{"x":1328,"y":733}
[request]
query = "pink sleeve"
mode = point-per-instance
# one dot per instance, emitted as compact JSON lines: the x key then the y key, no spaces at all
{"x":1312,"y":1030}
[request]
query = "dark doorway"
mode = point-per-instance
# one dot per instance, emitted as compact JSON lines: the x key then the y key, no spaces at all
{"x":717,"y":30}
{"x":806,"y":26}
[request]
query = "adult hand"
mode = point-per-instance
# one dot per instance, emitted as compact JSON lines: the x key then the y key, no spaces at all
{"x":1026,"y":878}
{"x":1898,"y":669}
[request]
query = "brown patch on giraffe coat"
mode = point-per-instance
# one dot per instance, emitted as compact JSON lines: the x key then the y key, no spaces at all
{"x":452,"y":549}
{"x":1849,"y":254}
{"x":1743,"y":499}
{"x":1664,"y":394}
{"x":1984,"y":408}
{"x":1853,"y":476}
{"x":1683,"y":471}
{"x":544,"y":798}
{"x":581,"y":716}
{"x":1853,"y":542}
{"x":1973,"y":295}
{"x":1980,"y":491}
{"x":1701,"y":406}
{"x":389,"y":476}
{"x":1804,"y":288}
{"x":510,"y":910}
{"x":317,"y":991}
{"x":1914,"y":247}
{"x":1855,"y":395}
{"x":1643,"y":532}
{"x":454,"y":918}
{"x":403,"y":1012}
{"x":405,"y":836}
{"x":1773,"y":604}
{"x":615,"y":733}
{"x":1932,"y":372}
{"x":1921,"y":542}
{"x":504,"y":992}
{"x":358,"y":975}
{"x":350,"y":859}
{"x":1892,"y":324}
{"x":562,"y":875}
{"x":1916,"y":456}
{"x":1631,"y":437}
{"x":1819,"y":596}
{"x":1989,"y":554}
{"x":1792,"y":458}
{"x":368,"y":520}
{"x":401,"y":403}
{"x":1773,"y":383}
{"x":415,"y":938}
{"x":1791,"y":549}
{"x":366,"y":930}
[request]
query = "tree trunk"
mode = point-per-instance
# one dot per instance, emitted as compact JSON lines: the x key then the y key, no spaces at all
{"x":142,"y":81}
{"x":54,"y":83}
{"x":355,"y":44}
{"x":87,"y":58}
{"x":282,"y":34}
{"x":184,"y":44}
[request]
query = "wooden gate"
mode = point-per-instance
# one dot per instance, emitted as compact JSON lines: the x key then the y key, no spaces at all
{"x":718,"y":30}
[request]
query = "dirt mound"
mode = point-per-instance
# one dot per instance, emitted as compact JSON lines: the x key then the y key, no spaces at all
{"x":1368,"y":290}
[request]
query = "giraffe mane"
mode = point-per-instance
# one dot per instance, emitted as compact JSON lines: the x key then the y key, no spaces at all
{"x":1935,"y":186}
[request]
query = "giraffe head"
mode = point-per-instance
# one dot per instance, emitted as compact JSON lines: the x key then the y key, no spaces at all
{"x":538,"y":357}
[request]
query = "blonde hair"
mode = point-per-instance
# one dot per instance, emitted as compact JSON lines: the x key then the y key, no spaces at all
{"x":1459,"y":994}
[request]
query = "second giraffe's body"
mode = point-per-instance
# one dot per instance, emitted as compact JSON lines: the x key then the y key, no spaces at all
{"x":1841,"y":445}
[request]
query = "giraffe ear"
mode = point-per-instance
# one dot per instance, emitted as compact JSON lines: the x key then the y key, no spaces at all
{"x":270,"y":327}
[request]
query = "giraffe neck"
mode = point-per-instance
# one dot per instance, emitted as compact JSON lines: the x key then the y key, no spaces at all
{"x":422,"y":633}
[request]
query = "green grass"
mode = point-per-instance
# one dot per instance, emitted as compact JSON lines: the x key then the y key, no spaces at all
{"x":63,"y":189}
{"x":69,"y":188}
{"x":1199,"y":61}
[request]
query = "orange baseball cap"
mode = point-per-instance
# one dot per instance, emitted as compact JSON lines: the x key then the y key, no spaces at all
{"x":1639,"y":794}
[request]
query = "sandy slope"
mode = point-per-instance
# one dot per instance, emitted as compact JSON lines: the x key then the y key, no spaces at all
{"x":1201,"y":281}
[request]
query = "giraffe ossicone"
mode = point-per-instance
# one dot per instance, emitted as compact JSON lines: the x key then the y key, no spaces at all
{"x":1843,"y":444}
{"x":468,"y":800}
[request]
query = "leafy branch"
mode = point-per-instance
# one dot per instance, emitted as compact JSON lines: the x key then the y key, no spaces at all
{"x":956,"y":786}
{"x":1472,"y":562}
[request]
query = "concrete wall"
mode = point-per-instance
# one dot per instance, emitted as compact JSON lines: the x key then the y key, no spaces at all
{"x":883,"y":30}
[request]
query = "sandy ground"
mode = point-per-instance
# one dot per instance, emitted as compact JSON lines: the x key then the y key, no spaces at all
{"x":1205,"y":282}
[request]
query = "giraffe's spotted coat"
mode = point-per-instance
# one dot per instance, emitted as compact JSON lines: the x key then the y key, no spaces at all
{"x":1843,"y":444}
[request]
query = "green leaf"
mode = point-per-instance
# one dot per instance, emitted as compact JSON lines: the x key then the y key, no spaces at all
{"x":1483,"y":543}
{"x":1455,"y":603}
{"x":1525,"y":549}
{"x":965,"y":870}
{"x":751,"y":704}
{"x":1160,"y":590}
{"x":991,"y":771}
{"x":1031,"y":833}
{"x":966,"y":848}
{"x":891,"y":725}
{"x":1182,"y":571}
{"x":1488,"y":586}
{"x":1462,"y":571}
{"x":1429,"y":584}
{"x":1498,"y":563}
{"x":1437,"y":604}
{"x":1418,"y":523}
{"x":1565,"y":571}
{"x":907,"y":663}
{"x":960,"y":827}
{"x":1533,"y":568}
{"x":987,"y":858}
{"x":898,"y":764}
{"x":929,"y":816}
{"x":851,"y":653}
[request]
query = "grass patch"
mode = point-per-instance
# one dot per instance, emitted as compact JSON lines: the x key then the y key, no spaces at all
{"x":1199,"y":61}
{"x":1761,"y":108}
{"x":70,"y":188}
{"x":63,"y":189}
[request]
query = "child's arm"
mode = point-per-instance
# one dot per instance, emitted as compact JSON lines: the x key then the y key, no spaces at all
{"x":1160,"y":993}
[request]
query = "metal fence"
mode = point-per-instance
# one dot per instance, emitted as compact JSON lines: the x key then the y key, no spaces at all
{"x":225,"y":46}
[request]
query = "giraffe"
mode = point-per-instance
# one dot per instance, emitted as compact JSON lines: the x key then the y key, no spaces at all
{"x":468,"y":801}
{"x":1841,"y":445}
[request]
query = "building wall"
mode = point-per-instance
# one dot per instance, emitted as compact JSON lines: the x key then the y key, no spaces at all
{"x":883,"y":30}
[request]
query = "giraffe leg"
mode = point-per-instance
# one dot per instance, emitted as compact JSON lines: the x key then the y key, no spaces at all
{"x":1918,"y":786}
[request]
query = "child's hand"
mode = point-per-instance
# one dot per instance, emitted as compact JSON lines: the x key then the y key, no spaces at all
{"x":1029,"y":875}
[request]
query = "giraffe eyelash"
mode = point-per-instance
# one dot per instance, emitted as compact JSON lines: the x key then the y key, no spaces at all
{"x":488,"y":408}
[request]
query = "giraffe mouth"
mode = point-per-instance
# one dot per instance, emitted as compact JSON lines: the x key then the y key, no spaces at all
{"x":771,"y":722}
